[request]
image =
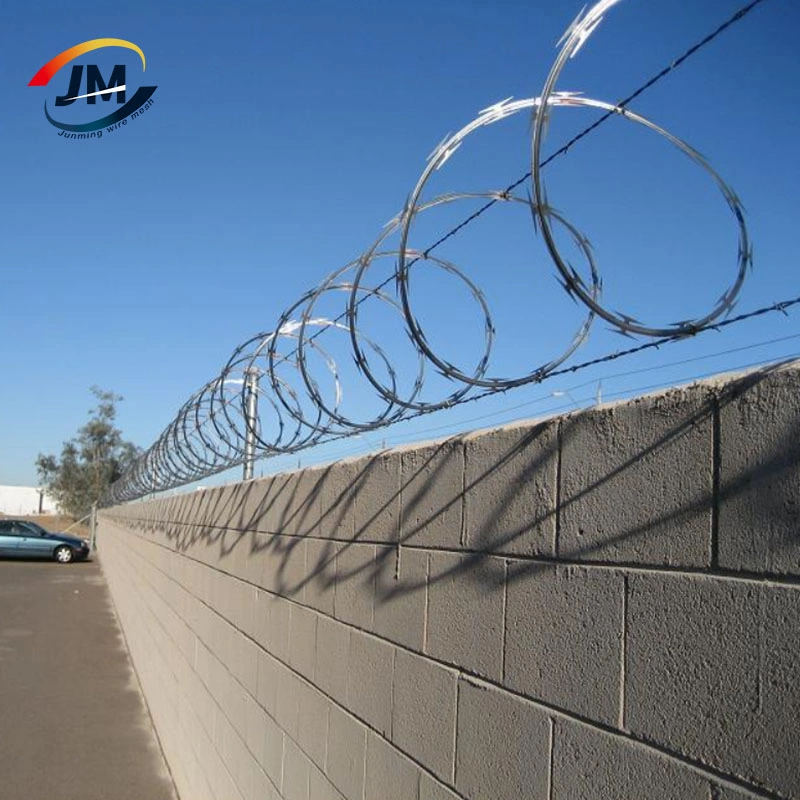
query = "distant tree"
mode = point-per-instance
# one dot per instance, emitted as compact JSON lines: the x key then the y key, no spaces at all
{"x":90,"y":462}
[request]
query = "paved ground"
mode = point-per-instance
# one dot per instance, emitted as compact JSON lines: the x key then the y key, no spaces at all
{"x":73,"y":725}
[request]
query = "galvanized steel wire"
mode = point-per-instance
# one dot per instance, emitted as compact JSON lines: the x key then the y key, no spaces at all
{"x":294,"y":382}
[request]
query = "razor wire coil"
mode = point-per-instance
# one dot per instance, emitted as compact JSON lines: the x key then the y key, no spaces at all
{"x":216,"y":429}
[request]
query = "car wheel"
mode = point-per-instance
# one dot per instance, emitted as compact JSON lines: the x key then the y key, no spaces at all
{"x":63,"y":554}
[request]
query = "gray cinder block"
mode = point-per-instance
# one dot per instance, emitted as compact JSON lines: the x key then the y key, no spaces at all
{"x":303,"y":640}
{"x":465,"y":612}
{"x":726,"y":793}
{"x":224,"y":507}
{"x":320,"y":788}
{"x":263,"y":788}
{"x":282,"y":561}
{"x":355,"y":584}
{"x":432,"y":494}
{"x":265,"y":504}
{"x":229,"y":745}
{"x":312,"y":723}
{"x":295,"y":773}
{"x":287,"y":702}
{"x":377,"y":498}
{"x":424,"y":713}
{"x":759,"y":502}
{"x":502,"y":745}
{"x":347,"y":751}
{"x":510,"y":485}
{"x":304,"y":509}
{"x":369,"y":680}
{"x":636,"y":481}
{"x":244,"y":661}
{"x":241,"y":607}
{"x":711,"y":672}
{"x":401,"y":580}
{"x":265,"y":547}
{"x":338,"y":485}
{"x":255,"y":726}
{"x":320,"y":574}
{"x":233,"y":701}
{"x":333,"y":648}
{"x":267,"y":682}
{"x":251,"y":778}
{"x":564,"y":637}
{"x":248,"y":564}
{"x":279,"y":621}
{"x":779,"y":689}
{"x":390,"y":775}
{"x":590,"y":764}
{"x":272,"y":755}
{"x":289,"y":554}
{"x":431,"y":789}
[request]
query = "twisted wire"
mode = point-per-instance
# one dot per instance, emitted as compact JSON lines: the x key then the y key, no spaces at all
{"x":269,"y":399}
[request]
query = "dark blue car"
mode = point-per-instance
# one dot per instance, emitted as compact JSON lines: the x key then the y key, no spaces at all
{"x":22,"y":539}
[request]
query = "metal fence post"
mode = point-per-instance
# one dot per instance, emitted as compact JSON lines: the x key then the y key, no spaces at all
{"x":251,"y":420}
{"x":93,"y":528}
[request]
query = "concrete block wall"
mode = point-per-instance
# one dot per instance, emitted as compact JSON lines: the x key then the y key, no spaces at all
{"x":604,"y":605}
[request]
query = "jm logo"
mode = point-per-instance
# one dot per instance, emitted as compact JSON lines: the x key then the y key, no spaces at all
{"x":96,"y":86}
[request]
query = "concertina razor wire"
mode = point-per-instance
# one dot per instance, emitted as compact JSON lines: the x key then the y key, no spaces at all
{"x":269,"y":400}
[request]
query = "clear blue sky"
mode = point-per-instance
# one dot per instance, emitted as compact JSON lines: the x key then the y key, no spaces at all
{"x":283,"y":136}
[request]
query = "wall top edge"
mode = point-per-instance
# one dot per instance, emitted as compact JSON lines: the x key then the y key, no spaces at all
{"x":713,"y":386}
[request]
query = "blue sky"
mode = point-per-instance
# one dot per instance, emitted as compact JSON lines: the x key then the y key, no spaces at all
{"x":284,"y":135}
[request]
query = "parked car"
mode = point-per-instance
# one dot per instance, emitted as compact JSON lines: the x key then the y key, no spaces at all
{"x":22,"y":539}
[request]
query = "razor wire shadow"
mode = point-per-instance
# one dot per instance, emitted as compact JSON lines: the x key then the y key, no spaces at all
{"x":269,"y":524}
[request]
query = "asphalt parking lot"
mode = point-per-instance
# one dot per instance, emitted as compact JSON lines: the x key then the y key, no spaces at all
{"x":73,"y":724}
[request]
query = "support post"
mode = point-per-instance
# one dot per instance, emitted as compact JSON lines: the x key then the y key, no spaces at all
{"x":93,"y":528}
{"x":251,"y":420}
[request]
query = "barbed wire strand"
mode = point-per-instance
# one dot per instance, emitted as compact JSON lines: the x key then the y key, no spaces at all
{"x":781,"y":307}
{"x":614,"y":376}
{"x":451,"y":429}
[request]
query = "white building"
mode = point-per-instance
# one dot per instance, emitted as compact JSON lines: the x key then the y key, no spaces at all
{"x":22,"y":500}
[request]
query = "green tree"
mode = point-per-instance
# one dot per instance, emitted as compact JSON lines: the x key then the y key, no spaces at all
{"x":90,"y":462}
